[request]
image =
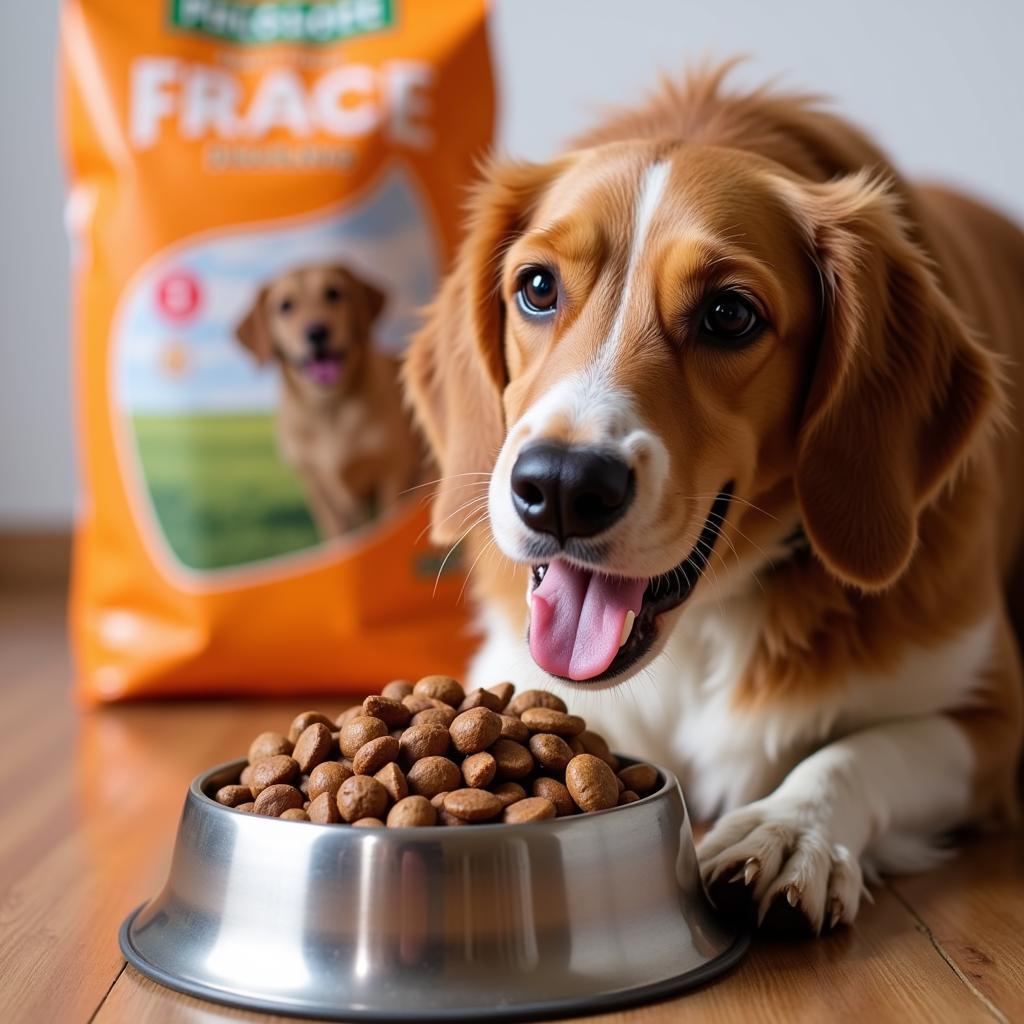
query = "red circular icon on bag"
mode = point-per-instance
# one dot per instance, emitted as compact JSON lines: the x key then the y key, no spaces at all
{"x":178,"y":295}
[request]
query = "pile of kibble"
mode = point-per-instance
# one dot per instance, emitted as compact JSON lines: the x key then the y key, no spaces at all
{"x":429,"y":754}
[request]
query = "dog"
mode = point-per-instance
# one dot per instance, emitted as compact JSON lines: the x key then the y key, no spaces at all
{"x":341,"y":423}
{"x":741,"y":401}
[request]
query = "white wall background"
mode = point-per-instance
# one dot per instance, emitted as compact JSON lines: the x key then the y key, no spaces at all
{"x":939,"y":82}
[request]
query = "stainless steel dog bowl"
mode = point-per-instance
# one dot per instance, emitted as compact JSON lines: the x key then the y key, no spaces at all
{"x":578,"y":914}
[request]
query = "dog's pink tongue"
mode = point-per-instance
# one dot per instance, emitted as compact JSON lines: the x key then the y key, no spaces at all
{"x":576,"y":619}
{"x":325,"y":371}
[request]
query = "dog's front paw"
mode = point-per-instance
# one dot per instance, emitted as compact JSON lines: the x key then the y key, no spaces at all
{"x":780,"y":863}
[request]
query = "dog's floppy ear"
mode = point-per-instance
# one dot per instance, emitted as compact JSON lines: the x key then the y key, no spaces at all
{"x":900,"y":389}
{"x":455,"y":368}
{"x":254,"y":331}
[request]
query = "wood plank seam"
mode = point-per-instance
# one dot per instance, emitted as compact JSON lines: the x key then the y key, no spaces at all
{"x":99,"y":1005}
{"x":950,"y":960}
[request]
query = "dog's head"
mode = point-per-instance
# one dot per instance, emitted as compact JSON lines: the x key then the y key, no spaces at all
{"x":315,"y":321}
{"x":674,"y":356}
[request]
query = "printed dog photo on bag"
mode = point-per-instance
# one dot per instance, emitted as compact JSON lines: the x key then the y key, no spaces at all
{"x":256,"y":374}
{"x":341,"y":424}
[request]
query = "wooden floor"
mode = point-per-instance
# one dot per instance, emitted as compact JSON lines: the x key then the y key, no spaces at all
{"x":89,"y":804}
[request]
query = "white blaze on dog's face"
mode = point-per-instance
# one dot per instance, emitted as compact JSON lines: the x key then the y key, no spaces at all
{"x":670,"y":356}
{"x":654,"y":342}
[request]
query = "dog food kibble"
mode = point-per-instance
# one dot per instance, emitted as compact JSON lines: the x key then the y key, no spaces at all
{"x":359,"y":730}
{"x":312,"y":747}
{"x":276,"y":799}
{"x":432,"y":775}
{"x":362,"y":797}
{"x":424,"y":754}
{"x":271,"y":770}
{"x":304,"y":720}
{"x":533,"y":808}
{"x":475,"y":730}
{"x":267,"y":744}
{"x":372,"y":756}
{"x":326,"y":778}
{"x":591,"y":783}
{"x":442,"y":688}
{"x":412,"y":812}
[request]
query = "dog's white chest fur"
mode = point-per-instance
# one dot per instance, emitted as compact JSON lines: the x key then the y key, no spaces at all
{"x":681,"y":711}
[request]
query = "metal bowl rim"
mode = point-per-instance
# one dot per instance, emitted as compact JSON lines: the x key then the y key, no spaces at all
{"x":671,"y":783}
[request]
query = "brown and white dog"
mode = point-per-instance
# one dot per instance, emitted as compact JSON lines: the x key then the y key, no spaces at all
{"x":740,"y":399}
{"x":341,"y":423}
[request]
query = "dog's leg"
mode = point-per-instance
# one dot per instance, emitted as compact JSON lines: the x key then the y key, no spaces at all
{"x":880,"y":799}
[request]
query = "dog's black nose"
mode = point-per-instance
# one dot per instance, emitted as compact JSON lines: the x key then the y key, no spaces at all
{"x":317,"y":334}
{"x":570,"y":492}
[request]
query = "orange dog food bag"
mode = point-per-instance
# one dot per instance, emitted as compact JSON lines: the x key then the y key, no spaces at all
{"x":262,"y":196}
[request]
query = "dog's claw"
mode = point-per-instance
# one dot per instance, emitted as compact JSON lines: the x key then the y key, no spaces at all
{"x":792,"y":895}
{"x":751,"y":870}
{"x":835,"y":912}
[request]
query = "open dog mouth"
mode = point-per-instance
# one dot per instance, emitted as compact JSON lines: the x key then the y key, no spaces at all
{"x":324,"y":368}
{"x":586,"y":626}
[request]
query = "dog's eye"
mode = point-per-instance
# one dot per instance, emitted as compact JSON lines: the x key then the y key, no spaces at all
{"x":285,"y":306}
{"x":331,"y":295}
{"x":730,"y":318}
{"x":537,"y":291}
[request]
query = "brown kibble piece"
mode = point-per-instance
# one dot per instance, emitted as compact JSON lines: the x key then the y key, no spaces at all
{"x":441,"y":688}
{"x":449,"y":819}
{"x":549,"y":720}
{"x":326,"y":777}
{"x":313,"y":747}
{"x":513,"y":729}
{"x":361,"y":729}
{"x":245,"y":779}
{"x":557,"y":793}
{"x":535,"y":699}
{"x":437,"y":802}
{"x":416,"y":702}
{"x":362,"y":797}
{"x":372,"y":756}
{"x":443,"y":716}
{"x":641,"y":778}
{"x":550,"y":751}
{"x":504,"y":692}
{"x":392,"y":778}
{"x":481,"y":699}
{"x":419,"y":741}
{"x":324,"y":809}
{"x":479,"y":769}
{"x":475,"y":730}
{"x":368,"y":823}
{"x":275,"y":800}
{"x":514,"y":760}
{"x":509,"y":792}
{"x":576,"y":747}
{"x":472,"y":804}
{"x":594,"y":743}
{"x":393,"y":713}
{"x":302,"y":721}
{"x":533,"y":808}
{"x":294,"y":814}
{"x":347,"y":715}
{"x":591,"y":782}
{"x":268,"y":744}
{"x":232,"y":796}
{"x":269,"y":771}
{"x":627,"y":796}
{"x":412,"y":812}
{"x":432,"y":775}
{"x":247,"y":808}
{"x":397,"y":689}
